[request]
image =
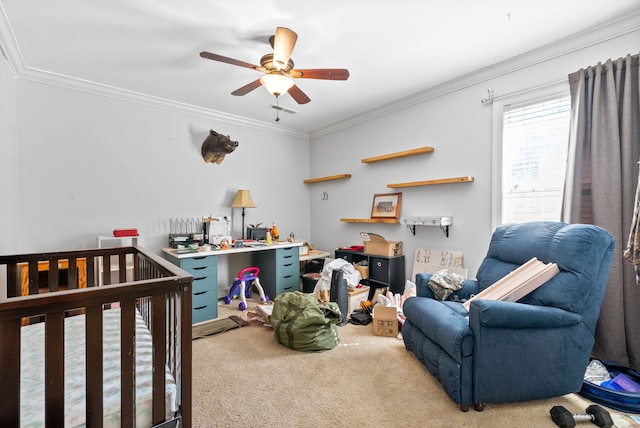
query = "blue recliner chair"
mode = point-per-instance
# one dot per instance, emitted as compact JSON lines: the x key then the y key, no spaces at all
{"x":538,"y":347}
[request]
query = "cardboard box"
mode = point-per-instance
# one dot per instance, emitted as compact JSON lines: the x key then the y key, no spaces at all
{"x":381,"y":247}
{"x":376,"y":293}
{"x":363,"y":268}
{"x":385,"y":321}
{"x":357,"y":295}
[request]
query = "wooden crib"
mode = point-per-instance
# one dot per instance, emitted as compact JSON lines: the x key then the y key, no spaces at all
{"x":111,"y":299}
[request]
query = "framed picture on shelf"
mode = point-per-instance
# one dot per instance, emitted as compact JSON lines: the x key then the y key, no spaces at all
{"x":386,"y":205}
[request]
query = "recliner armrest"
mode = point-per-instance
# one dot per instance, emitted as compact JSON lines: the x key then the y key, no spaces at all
{"x":513,"y":315}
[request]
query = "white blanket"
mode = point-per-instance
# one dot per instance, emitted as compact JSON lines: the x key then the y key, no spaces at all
{"x":351,"y":275}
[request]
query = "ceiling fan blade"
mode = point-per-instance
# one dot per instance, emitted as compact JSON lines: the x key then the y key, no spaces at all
{"x":247,"y":88}
{"x":216,"y":57}
{"x":283,"y":44}
{"x":299,"y":96}
{"x":321,"y":73}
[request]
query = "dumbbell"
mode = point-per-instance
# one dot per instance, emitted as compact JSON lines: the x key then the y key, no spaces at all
{"x":595,"y":414}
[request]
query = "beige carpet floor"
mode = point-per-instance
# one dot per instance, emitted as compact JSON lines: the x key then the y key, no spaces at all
{"x":243,"y":377}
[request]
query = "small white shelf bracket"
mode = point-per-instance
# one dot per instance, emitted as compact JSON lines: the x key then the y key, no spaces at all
{"x":443,"y":222}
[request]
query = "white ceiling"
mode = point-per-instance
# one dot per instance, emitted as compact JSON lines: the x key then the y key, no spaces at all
{"x":392,"y":51}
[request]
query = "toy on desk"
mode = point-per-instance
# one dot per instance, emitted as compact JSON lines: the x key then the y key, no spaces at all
{"x":241,"y":287}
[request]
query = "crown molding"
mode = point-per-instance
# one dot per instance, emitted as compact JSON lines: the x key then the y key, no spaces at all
{"x":8,"y":45}
{"x":607,"y":31}
{"x":576,"y":42}
{"x":11,"y":51}
{"x":67,"y":82}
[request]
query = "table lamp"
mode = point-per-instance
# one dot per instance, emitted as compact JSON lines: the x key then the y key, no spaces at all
{"x":243,"y":200}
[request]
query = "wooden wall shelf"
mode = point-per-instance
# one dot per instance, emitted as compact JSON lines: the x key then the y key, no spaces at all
{"x":370,"y":220}
{"x":431,"y":182}
{"x":327,"y":178}
{"x":402,"y":154}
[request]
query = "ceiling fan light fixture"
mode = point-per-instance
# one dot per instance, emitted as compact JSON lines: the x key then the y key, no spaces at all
{"x":278,"y":69}
{"x":276,"y":84}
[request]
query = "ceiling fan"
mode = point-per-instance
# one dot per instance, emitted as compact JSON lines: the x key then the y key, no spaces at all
{"x":278,"y":69}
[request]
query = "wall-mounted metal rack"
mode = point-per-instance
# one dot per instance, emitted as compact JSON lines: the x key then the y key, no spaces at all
{"x":443,"y":222}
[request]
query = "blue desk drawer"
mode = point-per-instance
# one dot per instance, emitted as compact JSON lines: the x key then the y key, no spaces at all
{"x":203,"y":284}
{"x":279,"y":270}
{"x":198,"y":262}
{"x":287,"y":255}
{"x":203,"y":271}
{"x":288,"y":284}
{"x":203,"y":298}
{"x":204,"y":313}
{"x":289,"y":269}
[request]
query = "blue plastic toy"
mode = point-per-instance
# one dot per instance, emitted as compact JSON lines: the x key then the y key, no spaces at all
{"x":241,"y":287}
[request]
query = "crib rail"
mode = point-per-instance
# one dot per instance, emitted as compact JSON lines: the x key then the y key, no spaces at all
{"x":146,"y":283}
{"x":84,"y":269}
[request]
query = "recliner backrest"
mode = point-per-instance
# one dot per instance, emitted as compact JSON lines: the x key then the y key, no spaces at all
{"x":582,"y":252}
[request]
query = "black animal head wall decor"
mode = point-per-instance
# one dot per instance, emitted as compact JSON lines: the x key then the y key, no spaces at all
{"x":216,"y":146}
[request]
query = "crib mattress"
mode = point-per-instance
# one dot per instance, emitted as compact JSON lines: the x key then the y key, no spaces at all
{"x":32,"y":373}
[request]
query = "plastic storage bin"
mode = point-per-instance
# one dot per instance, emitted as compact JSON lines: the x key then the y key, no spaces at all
{"x":624,"y":401}
{"x":309,"y":281}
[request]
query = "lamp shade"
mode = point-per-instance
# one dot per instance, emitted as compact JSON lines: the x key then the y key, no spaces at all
{"x":276,"y":84}
{"x":243,"y":200}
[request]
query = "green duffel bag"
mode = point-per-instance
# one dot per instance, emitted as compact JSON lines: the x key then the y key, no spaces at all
{"x":303,"y":324}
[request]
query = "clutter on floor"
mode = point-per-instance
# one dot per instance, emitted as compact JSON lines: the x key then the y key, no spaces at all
{"x":302,"y":323}
{"x":362,"y":316}
{"x":594,"y":414}
{"x":265,"y":311}
{"x":611,"y":385}
{"x":259,"y":315}
{"x":386,"y":314}
{"x":323,"y":285}
{"x":216,"y":326}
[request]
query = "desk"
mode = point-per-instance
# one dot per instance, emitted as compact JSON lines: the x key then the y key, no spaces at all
{"x":43,"y":266}
{"x":312,"y":255}
{"x":279,"y":272}
{"x":315,"y":254}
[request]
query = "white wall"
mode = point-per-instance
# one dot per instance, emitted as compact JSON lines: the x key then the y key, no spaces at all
{"x":92,"y":163}
{"x":8,"y":159}
{"x":75,"y":164}
{"x":459,"y":127}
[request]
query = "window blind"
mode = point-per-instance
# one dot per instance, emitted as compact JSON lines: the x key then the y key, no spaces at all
{"x":534,"y":156}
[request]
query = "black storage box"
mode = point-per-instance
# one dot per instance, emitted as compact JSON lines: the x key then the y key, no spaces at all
{"x":309,"y":281}
{"x":257,"y":233}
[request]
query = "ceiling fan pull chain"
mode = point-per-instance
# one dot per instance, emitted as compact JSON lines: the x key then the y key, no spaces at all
{"x":277,"y":109}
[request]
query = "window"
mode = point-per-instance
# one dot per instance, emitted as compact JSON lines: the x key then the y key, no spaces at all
{"x":532,"y":160}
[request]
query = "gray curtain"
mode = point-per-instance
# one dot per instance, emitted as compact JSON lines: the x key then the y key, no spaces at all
{"x":600,"y":188}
